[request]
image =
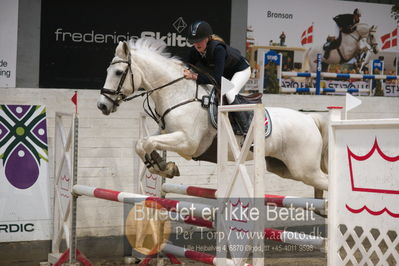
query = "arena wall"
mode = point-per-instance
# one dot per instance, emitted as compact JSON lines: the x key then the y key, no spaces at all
{"x":106,"y":146}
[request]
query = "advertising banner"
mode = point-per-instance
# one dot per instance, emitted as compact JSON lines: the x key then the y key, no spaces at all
{"x":309,"y":22}
{"x":391,"y":89}
{"x":299,"y":30}
{"x":78,"y":39}
{"x":25,"y":212}
{"x":8,"y":42}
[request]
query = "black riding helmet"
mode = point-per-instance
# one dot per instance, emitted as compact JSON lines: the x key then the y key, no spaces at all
{"x":198,"y":31}
{"x":357,"y":12}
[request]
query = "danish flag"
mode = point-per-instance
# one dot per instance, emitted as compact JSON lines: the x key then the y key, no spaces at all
{"x":390,"y":39}
{"x":307,"y":36}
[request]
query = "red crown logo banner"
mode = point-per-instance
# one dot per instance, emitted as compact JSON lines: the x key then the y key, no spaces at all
{"x":375,"y":173}
{"x":359,"y":183}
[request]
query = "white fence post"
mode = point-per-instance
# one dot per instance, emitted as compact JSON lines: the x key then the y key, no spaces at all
{"x":64,"y":170}
{"x":240,"y":188}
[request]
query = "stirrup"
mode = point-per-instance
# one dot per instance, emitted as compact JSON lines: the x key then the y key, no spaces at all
{"x":253,"y":98}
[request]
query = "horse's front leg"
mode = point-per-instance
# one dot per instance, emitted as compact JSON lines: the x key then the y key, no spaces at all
{"x":176,"y":142}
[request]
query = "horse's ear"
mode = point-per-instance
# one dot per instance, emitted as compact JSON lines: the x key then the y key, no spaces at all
{"x":373,"y":29}
{"x":122,"y":50}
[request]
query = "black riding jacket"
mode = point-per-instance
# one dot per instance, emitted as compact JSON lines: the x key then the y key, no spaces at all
{"x":219,"y":60}
{"x":345,"y":22}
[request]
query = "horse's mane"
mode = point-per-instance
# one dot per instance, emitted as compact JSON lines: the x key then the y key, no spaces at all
{"x":362,"y":24}
{"x":152,"y":45}
{"x":365,"y":25}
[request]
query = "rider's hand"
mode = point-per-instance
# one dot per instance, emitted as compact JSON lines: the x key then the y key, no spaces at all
{"x":189,"y":74}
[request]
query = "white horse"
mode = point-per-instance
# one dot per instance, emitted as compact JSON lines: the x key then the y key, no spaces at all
{"x":296,"y":149}
{"x":357,"y":44}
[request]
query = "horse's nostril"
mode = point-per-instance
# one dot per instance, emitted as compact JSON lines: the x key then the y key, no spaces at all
{"x":101,"y":106}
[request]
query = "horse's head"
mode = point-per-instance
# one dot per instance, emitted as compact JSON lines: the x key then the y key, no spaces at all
{"x":368,"y":34}
{"x":120,"y":81}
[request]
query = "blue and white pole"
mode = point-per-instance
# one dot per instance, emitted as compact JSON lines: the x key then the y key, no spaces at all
{"x":318,"y":74}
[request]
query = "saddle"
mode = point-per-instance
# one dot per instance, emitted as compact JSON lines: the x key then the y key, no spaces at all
{"x":252,"y":98}
{"x":331,"y":44}
{"x":240,"y":121}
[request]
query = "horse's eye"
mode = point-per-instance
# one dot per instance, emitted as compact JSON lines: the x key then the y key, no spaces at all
{"x":118,"y":72}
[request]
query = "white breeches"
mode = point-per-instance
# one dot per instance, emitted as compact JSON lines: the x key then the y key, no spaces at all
{"x":336,"y":31}
{"x":239,"y":79}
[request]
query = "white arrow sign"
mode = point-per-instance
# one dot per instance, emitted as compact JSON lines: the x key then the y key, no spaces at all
{"x":351,"y":102}
{"x":226,"y":86}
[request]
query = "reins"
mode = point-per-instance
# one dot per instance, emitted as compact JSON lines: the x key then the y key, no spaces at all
{"x":159,"y":119}
{"x":154,"y":114}
{"x":195,"y":99}
{"x":151,"y":91}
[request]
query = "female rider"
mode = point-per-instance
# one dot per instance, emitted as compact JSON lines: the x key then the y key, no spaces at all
{"x":218,"y":58}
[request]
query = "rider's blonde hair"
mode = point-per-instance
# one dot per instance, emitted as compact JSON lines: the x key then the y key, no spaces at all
{"x":216,"y":38}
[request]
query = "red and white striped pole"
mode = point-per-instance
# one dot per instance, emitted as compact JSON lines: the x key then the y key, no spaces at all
{"x":200,"y":210}
{"x":275,"y":200}
{"x":193,"y":255}
{"x":295,"y":202}
{"x":208,"y":193}
{"x":175,"y":205}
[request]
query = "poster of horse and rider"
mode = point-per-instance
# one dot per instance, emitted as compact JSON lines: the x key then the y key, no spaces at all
{"x":348,"y":35}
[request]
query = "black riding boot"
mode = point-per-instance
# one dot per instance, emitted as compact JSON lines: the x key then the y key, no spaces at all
{"x":327,"y":49}
{"x":331,"y":44}
{"x":240,"y":120}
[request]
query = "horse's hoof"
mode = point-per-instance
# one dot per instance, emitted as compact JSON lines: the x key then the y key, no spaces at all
{"x":318,"y":193}
{"x":321,"y":213}
{"x":176,"y":171}
{"x":171,"y":170}
{"x":172,"y":167}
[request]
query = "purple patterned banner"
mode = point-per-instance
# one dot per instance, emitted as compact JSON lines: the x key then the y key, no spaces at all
{"x":23,"y":143}
{"x":24,"y":181}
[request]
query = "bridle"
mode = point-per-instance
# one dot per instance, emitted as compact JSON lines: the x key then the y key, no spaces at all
{"x":118,"y":92}
{"x":371,"y":38}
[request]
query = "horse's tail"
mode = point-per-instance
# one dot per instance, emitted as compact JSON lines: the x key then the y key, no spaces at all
{"x":306,"y":66}
{"x":321,"y":122}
